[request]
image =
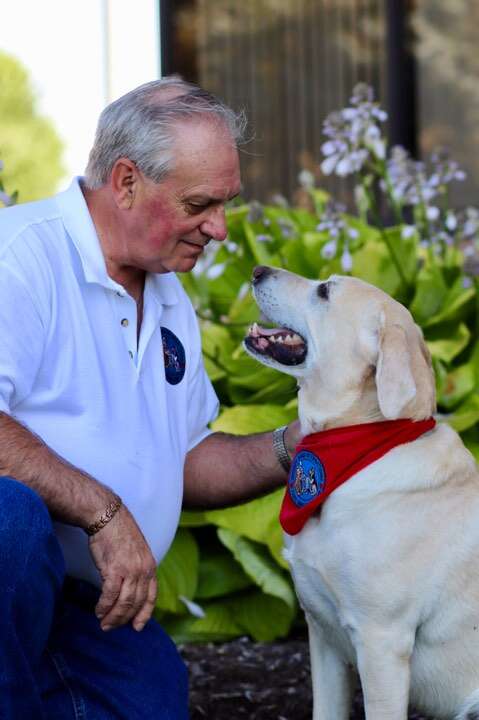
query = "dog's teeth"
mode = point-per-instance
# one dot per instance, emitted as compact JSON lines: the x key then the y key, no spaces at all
{"x":253,"y":330}
{"x":280,"y":339}
{"x":272,"y":339}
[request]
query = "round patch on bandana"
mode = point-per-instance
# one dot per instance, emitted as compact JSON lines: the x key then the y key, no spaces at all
{"x":174,"y":355}
{"x":306,"y":478}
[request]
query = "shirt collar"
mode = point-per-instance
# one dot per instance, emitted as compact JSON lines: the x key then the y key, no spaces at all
{"x":82,"y":232}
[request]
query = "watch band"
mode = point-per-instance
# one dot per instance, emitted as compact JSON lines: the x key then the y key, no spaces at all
{"x":105,"y":518}
{"x":280,"y":449}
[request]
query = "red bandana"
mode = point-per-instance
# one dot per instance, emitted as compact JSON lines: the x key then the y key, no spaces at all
{"x":325,"y":460}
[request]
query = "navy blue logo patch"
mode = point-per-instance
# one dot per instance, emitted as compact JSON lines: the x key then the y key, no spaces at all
{"x":306,"y":478}
{"x":174,"y":355}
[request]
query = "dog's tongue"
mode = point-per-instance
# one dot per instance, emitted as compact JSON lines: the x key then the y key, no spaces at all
{"x":257,"y":330}
{"x":281,"y":333}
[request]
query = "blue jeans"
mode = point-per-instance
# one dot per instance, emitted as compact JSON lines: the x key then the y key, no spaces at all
{"x":55,"y":661}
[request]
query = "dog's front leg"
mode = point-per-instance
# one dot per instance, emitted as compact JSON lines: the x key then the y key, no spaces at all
{"x":331,"y":676}
{"x":383,"y":663}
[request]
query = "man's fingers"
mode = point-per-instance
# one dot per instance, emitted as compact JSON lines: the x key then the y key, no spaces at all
{"x":124,"y":608}
{"x":109,"y":595}
{"x":146,"y":611}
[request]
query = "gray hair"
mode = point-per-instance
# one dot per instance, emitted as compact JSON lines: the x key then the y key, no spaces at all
{"x":142,"y":124}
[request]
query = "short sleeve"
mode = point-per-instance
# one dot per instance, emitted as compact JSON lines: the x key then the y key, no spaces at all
{"x":22,"y":337}
{"x":203,"y":404}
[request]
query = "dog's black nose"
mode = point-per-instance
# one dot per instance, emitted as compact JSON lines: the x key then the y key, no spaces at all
{"x":260,"y":271}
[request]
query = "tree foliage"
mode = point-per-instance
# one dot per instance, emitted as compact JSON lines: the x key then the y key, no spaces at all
{"x":30,"y":148}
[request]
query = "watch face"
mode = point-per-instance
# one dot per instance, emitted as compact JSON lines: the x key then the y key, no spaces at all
{"x":306,"y":479}
{"x":174,"y":357}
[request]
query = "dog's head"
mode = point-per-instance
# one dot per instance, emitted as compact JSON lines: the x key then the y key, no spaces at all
{"x":356,"y":353}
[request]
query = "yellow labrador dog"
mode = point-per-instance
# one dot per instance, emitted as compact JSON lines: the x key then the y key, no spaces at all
{"x":387,"y":571}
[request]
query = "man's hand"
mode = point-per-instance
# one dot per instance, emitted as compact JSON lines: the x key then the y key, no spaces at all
{"x":128,"y":571}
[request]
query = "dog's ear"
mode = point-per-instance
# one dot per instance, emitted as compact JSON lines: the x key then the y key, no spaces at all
{"x":404,"y":377}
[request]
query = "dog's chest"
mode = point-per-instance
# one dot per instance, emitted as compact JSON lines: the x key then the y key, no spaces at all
{"x":317,"y":594}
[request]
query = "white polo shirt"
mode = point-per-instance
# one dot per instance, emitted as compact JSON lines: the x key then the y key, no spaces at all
{"x":71,"y":371}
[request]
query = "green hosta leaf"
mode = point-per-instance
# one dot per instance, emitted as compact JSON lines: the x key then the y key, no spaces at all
{"x":223,"y":290}
{"x":446,"y":342}
{"x":475,"y":362}
{"x":263,"y":617}
{"x":456,"y":385}
{"x":431,"y":292}
{"x":251,"y":382}
{"x":218,"y":346}
{"x":296,"y":257}
{"x":218,"y":625}
{"x":193,"y":518}
{"x":244,"y":419}
{"x":261,"y":252}
{"x":257,"y":520}
{"x":244,"y":310}
{"x":456,"y":304}
{"x":178,"y":573}
{"x":473,"y":447}
{"x":465,"y":416}
{"x":219,"y":575}
{"x":372,"y":263}
{"x":259,"y":566}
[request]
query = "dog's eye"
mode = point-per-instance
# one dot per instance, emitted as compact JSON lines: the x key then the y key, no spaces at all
{"x":323,"y":291}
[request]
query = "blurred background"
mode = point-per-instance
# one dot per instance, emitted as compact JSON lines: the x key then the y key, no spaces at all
{"x":287,"y":62}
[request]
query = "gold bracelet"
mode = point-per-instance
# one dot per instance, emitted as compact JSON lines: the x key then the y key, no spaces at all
{"x":279,"y":448}
{"x":104,"y":519}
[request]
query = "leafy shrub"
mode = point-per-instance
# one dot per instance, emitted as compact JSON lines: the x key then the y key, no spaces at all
{"x":229,"y":561}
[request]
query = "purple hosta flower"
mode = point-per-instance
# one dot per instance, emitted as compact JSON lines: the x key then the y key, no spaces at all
{"x":467,"y":282}
{"x":286,"y":227}
{"x":451,"y":221}
{"x":256,"y":212}
{"x":6,"y":199}
{"x":406,"y":177}
{"x":262,"y":238}
{"x":354,"y":134}
{"x":331,"y":220}
{"x":329,"y":250}
{"x":432,"y":213}
{"x":231,"y":246}
{"x":279,"y":200}
{"x":215,"y":271}
{"x":408,"y":231}
{"x":346,"y":260}
{"x":306,"y":179}
{"x":470,"y":223}
{"x":445,"y":169}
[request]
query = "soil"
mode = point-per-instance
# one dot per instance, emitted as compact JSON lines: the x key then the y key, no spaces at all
{"x":259,"y":681}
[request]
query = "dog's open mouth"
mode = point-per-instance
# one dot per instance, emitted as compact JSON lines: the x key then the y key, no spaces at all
{"x":281,"y":344}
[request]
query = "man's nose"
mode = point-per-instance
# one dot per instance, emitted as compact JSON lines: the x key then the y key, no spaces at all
{"x":214,"y":226}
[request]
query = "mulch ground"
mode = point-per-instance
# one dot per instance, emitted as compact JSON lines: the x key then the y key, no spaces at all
{"x":259,"y":681}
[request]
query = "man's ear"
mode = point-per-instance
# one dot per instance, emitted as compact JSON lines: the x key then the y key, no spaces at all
{"x":124,"y":180}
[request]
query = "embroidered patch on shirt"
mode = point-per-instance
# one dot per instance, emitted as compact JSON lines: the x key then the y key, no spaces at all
{"x":306,"y":478}
{"x":174,"y":355}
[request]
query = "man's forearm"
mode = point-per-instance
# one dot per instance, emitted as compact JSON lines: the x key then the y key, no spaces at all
{"x":228,"y":469}
{"x":71,"y":495}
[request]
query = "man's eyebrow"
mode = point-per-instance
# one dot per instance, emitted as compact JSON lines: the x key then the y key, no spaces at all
{"x":211,"y":199}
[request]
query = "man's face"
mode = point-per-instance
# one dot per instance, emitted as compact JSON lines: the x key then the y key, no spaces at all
{"x":170,"y":223}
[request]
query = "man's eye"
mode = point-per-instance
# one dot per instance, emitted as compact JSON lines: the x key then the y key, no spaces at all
{"x":195,"y":208}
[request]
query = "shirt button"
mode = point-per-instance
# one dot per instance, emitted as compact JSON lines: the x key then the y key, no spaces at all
{"x":124,"y":322}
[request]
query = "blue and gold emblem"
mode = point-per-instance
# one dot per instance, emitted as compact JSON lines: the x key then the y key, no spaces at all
{"x":307,"y":478}
{"x":174,"y":356}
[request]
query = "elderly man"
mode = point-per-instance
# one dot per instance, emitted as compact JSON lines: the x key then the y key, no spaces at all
{"x":104,"y":409}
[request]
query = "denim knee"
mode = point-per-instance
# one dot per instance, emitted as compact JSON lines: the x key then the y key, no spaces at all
{"x":26,"y":531}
